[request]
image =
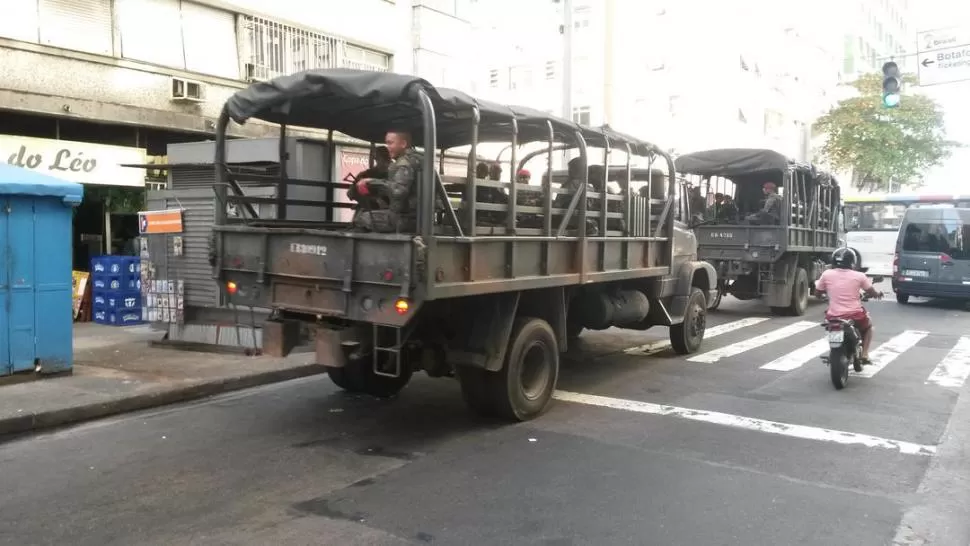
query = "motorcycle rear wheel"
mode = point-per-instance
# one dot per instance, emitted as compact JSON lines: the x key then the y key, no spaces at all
{"x":839,"y":368}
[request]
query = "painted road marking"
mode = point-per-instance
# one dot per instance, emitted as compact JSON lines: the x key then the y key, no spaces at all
{"x":714,"y":331}
{"x":748,"y":423}
{"x":798,"y":357}
{"x":953,"y":370}
{"x":890,"y":350}
{"x":753,"y":343}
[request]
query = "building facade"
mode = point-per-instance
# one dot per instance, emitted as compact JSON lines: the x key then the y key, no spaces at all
{"x":111,"y":82}
{"x":750,"y":73}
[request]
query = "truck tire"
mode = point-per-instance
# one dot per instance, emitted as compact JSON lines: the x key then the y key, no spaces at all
{"x":523,"y":388}
{"x":799,"y":293}
{"x":799,"y":296}
{"x":359,"y":377}
{"x":687,"y":336}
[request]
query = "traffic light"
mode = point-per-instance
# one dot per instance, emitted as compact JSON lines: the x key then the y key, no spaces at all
{"x":892,"y":85}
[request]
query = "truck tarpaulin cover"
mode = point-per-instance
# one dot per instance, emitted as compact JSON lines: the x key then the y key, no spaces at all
{"x":732,"y":162}
{"x":365,"y":104}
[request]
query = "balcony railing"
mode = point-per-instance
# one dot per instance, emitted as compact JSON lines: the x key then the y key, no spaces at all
{"x":270,"y":49}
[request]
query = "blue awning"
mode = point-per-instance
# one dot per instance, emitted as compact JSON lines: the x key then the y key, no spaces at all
{"x":20,"y":181}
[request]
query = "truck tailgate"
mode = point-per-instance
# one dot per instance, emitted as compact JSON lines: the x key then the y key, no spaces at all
{"x":352,"y":275}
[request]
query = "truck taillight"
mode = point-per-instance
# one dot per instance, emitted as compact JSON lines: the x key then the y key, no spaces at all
{"x":895,"y":264}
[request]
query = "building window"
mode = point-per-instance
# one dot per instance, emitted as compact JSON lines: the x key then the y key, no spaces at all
{"x":550,"y":70}
{"x":581,"y":18}
{"x":581,"y":115}
{"x":493,"y":78}
{"x":272,"y":49}
{"x":673,"y":105}
{"x":80,"y":26}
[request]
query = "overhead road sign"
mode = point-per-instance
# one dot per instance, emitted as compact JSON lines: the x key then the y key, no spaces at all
{"x":943,"y":56}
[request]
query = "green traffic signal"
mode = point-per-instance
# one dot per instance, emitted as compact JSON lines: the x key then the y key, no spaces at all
{"x":892,"y":84}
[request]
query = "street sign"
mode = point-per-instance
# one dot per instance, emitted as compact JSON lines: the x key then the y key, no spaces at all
{"x":943,"y":56}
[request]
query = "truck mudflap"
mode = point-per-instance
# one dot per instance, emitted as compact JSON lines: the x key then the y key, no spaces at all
{"x":691,"y":274}
{"x":356,"y":276}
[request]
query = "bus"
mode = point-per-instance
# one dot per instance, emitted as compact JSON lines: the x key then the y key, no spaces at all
{"x":872,"y":222}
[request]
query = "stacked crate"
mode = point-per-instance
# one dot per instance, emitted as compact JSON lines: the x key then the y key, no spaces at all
{"x":116,"y":290}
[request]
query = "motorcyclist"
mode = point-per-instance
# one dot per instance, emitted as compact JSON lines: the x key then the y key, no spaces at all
{"x":842,"y":284}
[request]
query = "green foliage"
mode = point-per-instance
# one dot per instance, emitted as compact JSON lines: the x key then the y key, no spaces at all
{"x":884,"y":146}
{"x":117,"y":199}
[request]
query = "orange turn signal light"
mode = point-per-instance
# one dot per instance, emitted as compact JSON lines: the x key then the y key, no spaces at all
{"x":231,"y":287}
{"x":401,"y":306}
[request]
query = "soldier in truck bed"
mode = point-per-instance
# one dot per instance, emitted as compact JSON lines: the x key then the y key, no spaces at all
{"x":396,"y":195}
{"x":382,"y":161}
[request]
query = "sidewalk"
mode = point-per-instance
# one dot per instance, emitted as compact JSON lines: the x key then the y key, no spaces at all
{"x":116,"y":371}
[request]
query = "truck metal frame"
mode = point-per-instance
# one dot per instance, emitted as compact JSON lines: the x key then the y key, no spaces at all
{"x":492,"y":304}
{"x":777,"y":263}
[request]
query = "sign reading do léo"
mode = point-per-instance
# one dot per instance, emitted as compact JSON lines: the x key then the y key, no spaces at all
{"x":81,"y":162}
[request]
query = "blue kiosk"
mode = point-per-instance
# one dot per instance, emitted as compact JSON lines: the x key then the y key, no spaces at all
{"x":36,"y":318}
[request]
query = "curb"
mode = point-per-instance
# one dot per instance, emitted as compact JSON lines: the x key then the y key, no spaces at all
{"x":87,"y":412}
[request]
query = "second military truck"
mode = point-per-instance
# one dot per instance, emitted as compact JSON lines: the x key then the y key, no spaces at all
{"x":767,"y":223}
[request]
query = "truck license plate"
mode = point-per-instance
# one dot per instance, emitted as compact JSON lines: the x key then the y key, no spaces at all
{"x":836,"y":337}
{"x":915,"y":273}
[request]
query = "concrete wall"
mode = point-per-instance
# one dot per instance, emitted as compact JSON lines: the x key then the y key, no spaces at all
{"x":96,"y":88}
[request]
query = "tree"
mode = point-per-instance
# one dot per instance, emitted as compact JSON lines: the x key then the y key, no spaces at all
{"x":884,"y":146}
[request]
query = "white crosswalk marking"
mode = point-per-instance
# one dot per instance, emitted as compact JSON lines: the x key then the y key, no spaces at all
{"x":798,"y":357}
{"x":713,"y":331}
{"x":953,"y":370}
{"x":890,"y":350}
{"x":753,"y":343}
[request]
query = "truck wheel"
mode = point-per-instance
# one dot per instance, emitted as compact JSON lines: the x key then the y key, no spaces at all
{"x":902,"y":298}
{"x":523,"y":388}
{"x":799,"y":293}
{"x":686,"y":337}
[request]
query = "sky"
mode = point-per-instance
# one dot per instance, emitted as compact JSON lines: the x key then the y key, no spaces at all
{"x":954,"y":98}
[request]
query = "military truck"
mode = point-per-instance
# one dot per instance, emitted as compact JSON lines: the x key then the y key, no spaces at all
{"x":778,"y":257}
{"x":493,"y":303}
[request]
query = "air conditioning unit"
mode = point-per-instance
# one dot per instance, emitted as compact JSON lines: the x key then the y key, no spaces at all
{"x":254,"y":73}
{"x":184,"y":90}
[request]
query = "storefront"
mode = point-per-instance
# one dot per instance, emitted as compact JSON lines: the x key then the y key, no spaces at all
{"x":106,"y":220}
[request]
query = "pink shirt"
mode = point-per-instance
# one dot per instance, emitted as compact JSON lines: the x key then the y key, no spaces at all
{"x":843,"y":287}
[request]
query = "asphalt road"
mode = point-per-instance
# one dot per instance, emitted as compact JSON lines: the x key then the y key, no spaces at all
{"x":744,"y":443}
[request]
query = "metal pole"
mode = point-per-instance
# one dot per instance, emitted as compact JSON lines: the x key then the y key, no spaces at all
{"x":567,"y":69}
{"x":567,"y":60}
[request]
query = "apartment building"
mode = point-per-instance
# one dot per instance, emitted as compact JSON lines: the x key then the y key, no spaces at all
{"x":695,"y":74}
{"x":121,"y":79}
{"x":444,"y":50}
{"x":875,"y":31}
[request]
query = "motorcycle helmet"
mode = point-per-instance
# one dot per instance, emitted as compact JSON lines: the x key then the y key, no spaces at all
{"x":843,"y":258}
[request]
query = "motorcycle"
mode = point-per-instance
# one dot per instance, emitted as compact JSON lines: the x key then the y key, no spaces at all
{"x":845,"y":347}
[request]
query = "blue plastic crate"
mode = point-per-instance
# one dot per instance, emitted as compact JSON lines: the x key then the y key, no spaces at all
{"x":104,"y":266}
{"x":121,"y":317}
{"x":115,"y":300}
{"x":117,"y":283}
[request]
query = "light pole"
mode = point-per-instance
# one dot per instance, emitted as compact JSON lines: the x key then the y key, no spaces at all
{"x":567,"y":60}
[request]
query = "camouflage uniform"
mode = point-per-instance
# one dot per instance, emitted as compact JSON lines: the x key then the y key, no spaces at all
{"x":398,"y":191}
